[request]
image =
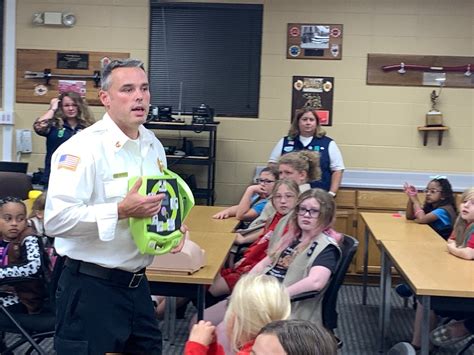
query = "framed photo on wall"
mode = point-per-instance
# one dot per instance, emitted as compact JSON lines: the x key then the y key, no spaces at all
{"x":314,"y":41}
{"x":313,"y":92}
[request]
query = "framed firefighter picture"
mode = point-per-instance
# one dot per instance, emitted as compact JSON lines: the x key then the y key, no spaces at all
{"x":315,"y":93}
{"x":314,"y":41}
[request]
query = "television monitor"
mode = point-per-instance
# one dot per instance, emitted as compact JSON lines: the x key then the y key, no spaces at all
{"x":14,"y":166}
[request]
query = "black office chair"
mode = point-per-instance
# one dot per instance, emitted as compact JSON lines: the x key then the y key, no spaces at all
{"x":32,"y":328}
{"x":466,"y":347}
{"x":348,"y":249}
{"x":15,"y":185}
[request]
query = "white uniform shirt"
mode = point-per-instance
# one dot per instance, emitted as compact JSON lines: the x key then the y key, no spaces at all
{"x":89,"y":176}
{"x":335,"y":157}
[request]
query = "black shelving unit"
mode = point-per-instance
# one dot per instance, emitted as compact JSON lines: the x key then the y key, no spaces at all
{"x":206,"y":193}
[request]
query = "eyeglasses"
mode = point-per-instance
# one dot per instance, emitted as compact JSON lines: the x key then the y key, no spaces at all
{"x":286,"y":196}
{"x":301,"y":211}
{"x":431,"y":191}
{"x":264,"y":181}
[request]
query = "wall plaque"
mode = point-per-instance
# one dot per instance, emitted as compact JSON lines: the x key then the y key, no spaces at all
{"x":314,"y":41}
{"x":43,"y":74}
{"x":316,"y":93}
{"x":72,"y":61}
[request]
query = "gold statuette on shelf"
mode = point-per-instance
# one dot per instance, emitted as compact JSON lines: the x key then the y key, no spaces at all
{"x":434,"y":117}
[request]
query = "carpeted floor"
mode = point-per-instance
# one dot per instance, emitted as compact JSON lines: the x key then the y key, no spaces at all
{"x":358,"y":325}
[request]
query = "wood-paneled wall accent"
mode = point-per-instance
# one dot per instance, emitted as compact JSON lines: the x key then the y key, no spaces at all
{"x":38,"y":60}
{"x":376,"y":76}
{"x":346,"y":198}
{"x":388,"y":200}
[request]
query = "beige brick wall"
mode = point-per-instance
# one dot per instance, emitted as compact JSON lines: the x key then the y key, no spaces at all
{"x":375,"y":126}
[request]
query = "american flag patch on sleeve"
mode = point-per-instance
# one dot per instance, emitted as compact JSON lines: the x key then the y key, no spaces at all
{"x":67,"y":161}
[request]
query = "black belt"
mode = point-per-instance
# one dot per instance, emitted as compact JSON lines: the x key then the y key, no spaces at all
{"x":120,"y":277}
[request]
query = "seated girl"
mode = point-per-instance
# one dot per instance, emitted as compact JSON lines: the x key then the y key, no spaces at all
{"x":301,"y":167}
{"x":20,"y":257}
{"x":36,"y":217}
{"x":256,"y":301}
{"x":438,"y":211}
{"x":439,"y":208}
{"x":460,"y":244}
{"x":283,"y":199}
{"x":305,"y":258}
{"x":254,"y":198}
{"x":36,"y":221}
{"x":294,"y":337}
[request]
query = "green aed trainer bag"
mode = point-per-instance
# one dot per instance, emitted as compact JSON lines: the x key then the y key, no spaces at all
{"x":161,"y":233}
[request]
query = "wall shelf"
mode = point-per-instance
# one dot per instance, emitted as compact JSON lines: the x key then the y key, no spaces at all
{"x":426,"y":130}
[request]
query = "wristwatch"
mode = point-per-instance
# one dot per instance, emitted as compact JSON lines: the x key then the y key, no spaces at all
{"x":333,"y":194}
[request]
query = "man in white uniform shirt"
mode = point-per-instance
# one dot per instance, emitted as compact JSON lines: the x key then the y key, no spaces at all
{"x":103,"y":298}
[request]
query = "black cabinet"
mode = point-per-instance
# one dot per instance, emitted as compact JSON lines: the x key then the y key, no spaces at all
{"x":206,"y":156}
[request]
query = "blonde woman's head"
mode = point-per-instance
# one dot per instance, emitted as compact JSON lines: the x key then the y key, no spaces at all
{"x":301,"y":166}
{"x":256,"y":301}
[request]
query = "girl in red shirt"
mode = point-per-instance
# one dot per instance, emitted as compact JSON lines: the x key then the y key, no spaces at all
{"x":283,"y":198}
{"x":461,"y":242}
{"x":256,"y":301}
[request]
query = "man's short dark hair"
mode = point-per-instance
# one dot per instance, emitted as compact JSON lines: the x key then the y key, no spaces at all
{"x":118,"y":63}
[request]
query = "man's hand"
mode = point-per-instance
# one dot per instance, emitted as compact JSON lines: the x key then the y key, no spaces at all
{"x":179,"y":247}
{"x":139,"y":206}
{"x":203,"y":333}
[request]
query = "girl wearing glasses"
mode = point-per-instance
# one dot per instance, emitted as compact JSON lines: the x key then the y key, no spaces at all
{"x":254,"y":199}
{"x":303,"y":260}
{"x":66,"y":116}
{"x":306,"y":258}
{"x":283,"y":199}
{"x":301,"y":167}
{"x":439,"y":208}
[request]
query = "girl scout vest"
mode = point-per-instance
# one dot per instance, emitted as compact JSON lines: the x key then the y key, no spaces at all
{"x":442,"y":230}
{"x":311,"y":308}
{"x":320,"y":145}
{"x":278,"y":232}
{"x":467,"y":235}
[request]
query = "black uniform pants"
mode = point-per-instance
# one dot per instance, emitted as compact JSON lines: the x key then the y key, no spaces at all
{"x":96,"y":316}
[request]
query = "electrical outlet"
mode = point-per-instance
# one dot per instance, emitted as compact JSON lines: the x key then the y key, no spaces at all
{"x":23,"y":141}
{"x":6,"y":117}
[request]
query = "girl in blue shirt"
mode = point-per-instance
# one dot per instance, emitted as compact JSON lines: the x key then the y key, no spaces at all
{"x":439,"y":208}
